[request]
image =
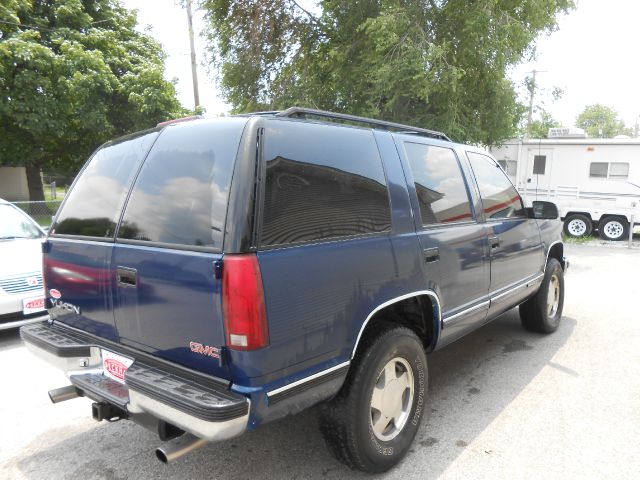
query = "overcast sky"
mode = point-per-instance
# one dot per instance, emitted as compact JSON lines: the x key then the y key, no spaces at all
{"x":592,"y":57}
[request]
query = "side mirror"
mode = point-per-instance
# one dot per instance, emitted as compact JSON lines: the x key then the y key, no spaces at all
{"x":544,"y":210}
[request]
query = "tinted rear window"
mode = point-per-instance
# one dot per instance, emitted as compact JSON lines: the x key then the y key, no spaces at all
{"x":322,"y":182}
{"x":180,"y":196}
{"x":93,"y":206}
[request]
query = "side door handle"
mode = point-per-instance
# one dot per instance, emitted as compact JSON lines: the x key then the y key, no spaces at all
{"x":127,"y":276}
{"x":494,"y":242}
{"x":431,"y":254}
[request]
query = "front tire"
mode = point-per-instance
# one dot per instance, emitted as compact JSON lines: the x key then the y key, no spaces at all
{"x":542,"y":312}
{"x":373,"y":420}
{"x":613,"y":228}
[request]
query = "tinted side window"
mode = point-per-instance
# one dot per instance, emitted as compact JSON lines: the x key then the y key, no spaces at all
{"x":93,"y":206}
{"x":499,"y":198}
{"x":322,"y":182}
{"x":439,"y":183}
{"x":180,"y":196}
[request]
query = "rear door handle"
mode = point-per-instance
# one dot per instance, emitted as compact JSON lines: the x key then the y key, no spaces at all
{"x":127,"y":276}
{"x":494,"y":242}
{"x":431,"y":254}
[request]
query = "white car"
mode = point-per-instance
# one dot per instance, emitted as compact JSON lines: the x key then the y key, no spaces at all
{"x":21,"y":290}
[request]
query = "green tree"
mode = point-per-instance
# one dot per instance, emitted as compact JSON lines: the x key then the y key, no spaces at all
{"x":540,"y":126}
{"x":72,"y":75}
{"x":440,"y":63}
{"x":602,"y":121}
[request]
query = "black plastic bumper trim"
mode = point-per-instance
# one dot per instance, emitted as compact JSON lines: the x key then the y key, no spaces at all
{"x":212,"y":405}
{"x":58,"y":343}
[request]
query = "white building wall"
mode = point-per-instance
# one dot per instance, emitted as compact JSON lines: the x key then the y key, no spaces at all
{"x":13,"y":184}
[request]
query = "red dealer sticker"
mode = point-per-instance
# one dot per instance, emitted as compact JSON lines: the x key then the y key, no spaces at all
{"x":114,"y":365}
{"x":32,"y":305}
{"x":55,"y":293}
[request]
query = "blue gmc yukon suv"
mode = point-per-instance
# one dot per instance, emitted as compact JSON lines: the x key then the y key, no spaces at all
{"x":209,"y":276}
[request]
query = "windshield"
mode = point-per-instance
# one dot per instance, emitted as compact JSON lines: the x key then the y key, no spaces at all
{"x":15,"y":224}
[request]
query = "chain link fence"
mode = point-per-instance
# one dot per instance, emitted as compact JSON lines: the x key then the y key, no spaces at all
{"x":41,"y":212}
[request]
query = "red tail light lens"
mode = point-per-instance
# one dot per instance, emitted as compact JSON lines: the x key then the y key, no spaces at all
{"x":45,"y":251}
{"x":245,"y":317}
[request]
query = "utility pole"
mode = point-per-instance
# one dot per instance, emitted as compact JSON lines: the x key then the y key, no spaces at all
{"x":531,"y":86}
{"x":194,"y":72}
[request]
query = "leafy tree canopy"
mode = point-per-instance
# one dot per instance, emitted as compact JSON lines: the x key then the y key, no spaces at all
{"x":73,"y":74}
{"x":602,"y":121}
{"x":436,"y":63}
{"x":540,"y":127}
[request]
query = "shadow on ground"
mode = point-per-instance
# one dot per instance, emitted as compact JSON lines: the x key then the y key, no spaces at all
{"x":10,"y":339}
{"x":471,"y":382}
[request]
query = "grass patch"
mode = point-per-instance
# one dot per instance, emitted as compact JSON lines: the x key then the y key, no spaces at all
{"x":578,"y":240}
{"x":41,"y":212}
{"x":60,"y":193}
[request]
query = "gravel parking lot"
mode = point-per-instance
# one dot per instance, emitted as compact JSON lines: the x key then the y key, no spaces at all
{"x":505,"y":403}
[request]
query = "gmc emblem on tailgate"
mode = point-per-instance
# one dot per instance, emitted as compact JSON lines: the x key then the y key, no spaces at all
{"x":205,"y":350}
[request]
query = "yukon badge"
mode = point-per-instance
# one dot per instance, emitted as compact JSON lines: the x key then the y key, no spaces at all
{"x":69,"y":307}
{"x":205,"y":350}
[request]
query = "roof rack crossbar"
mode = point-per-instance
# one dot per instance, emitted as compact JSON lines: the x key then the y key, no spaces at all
{"x":304,"y":112}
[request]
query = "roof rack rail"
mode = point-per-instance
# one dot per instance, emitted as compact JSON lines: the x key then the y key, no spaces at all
{"x":180,"y":120}
{"x":252,"y":114}
{"x":301,"y":112}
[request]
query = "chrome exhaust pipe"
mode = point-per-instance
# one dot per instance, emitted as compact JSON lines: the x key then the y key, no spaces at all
{"x":179,"y":447}
{"x":64,"y":393}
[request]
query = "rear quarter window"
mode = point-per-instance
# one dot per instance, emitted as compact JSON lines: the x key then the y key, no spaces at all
{"x":322,"y":182}
{"x":94,"y":204}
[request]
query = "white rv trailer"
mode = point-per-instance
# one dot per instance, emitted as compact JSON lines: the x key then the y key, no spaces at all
{"x":595,"y":183}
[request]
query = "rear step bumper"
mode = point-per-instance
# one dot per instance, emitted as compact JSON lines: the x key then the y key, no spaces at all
{"x":208,"y":411}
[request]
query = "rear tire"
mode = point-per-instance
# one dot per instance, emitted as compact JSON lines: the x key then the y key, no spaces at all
{"x":542,"y":312}
{"x":577,"y":225}
{"x":373,"y":420}
{"x":613,"y":228}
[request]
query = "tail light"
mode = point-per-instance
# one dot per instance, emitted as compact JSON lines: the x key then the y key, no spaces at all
{"x":45,"y":250}
{"x":245,"y":317}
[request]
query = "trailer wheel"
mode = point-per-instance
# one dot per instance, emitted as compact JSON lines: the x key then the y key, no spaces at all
{"x":578,"y":225}
{"x":613,"y":228}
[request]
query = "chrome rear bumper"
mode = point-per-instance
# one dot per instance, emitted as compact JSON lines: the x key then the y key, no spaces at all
{"x":207,"y":410}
